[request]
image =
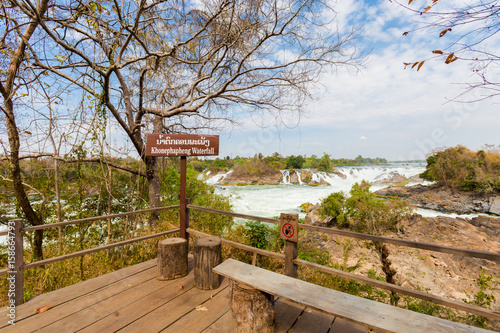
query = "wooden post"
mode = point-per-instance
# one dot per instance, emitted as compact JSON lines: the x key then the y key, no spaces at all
{"x":186,"y":234}
{"x":183,"y":203}
{"x":291,"y":252}
{"x":172,"y":259}
{"x":207,"y":255}
{"x":289,"y":231}
{"x":252,"y":309}
{"x":15,"y":262}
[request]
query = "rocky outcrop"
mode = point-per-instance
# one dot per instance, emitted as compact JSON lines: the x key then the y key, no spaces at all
{"x":444,"y":200}
{"x":441,"y":274}
{"x":313,"y":217}
{"x":311,"y":177}
{"x":254,"y":179}
{"x":394,"y":178}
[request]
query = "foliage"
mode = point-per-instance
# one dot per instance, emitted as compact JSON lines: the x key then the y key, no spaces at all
{"x":468,"y":30}
{"x":201,"y":194}
{"x":483,"y":298}
{"x":461,"y":168}
{"x":257,"y":234}
{"x":258,"y":167}
{"x":295,"y":162}
{"x":334,"y":206}
{"x":362,"y":211}
{"x":262,"y":165}
{"x":325,"y":163}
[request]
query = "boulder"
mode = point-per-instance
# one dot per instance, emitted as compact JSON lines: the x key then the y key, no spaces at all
{"x":494,"y":206}
{"x":393,"y":178}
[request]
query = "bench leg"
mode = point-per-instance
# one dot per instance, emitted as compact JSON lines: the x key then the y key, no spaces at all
{"x":252,"y":309}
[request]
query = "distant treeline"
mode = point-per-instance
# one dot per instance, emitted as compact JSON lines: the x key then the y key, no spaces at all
{"x":278,"y":162}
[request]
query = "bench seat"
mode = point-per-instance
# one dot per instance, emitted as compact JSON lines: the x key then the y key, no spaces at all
{"x":360,"y":310}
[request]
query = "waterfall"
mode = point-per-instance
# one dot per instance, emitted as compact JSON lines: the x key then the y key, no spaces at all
{"x":286,"y":176}
{"x":217,"y":178}
{"x":297,"y":172}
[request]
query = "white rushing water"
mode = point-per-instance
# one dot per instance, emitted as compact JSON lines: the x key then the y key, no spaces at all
{"x":271,"y":200}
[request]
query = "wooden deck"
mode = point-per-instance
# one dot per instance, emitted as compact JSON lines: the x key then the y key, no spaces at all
{"x":132,"y":300}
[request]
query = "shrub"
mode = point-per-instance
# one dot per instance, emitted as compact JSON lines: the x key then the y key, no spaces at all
{"x":257,"y":234}
{"x":362,"y":211}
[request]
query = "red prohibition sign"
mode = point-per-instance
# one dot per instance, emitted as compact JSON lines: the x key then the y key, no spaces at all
{"x":288,"y":230}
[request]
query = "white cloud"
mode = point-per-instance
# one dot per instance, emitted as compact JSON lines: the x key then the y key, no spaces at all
{"x":405,"y":113}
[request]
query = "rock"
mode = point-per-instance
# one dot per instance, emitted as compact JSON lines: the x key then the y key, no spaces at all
{"x":268,"y":179}
{"x":494,"y":206}
{"x":443,"y":199}
{"x":314,"y":218}
{"x":394,"y":178}
{"x":340,"y":174}
{"x":415,"y":178}
{"x":307,"y":207}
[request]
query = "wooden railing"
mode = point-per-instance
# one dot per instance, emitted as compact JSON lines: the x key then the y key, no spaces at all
{"x":495,"y":315}
{"x":15,"y":248}
{"x":16,"y":232}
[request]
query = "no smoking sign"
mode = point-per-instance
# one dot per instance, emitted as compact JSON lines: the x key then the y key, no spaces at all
{"x":289,"y":227}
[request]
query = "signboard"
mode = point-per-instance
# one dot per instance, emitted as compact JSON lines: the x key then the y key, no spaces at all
{"x":182,"y":145}
{"x":289,"y":227}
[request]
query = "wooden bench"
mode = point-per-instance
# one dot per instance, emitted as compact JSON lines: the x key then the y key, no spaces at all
{"x":370,"y":313}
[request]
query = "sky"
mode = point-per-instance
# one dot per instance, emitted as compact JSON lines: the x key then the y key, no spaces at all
{"x":383,"y":110}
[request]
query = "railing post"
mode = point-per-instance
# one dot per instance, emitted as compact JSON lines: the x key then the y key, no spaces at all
{"x":291,"y":251}
{"x":15,"y":262}
{"x":289,"y":232}
{"x":186,"y":234}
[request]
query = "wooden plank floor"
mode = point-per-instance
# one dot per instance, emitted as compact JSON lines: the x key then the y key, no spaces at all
{"x":132,"y":300}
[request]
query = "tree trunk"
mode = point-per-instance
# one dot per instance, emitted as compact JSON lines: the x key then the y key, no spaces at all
{"x":8,"y":91}
{"x":154,"y":189}
{"x":172,"y":259}
{"x":15,"y":169}
{"x":207,"y":255}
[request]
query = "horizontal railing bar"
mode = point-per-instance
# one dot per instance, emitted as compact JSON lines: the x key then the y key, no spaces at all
{"x":412,"y":244}
{"x":96,"y":218}
{"x":244,"y":216}
{"x":402,"y":290}
{"x":4,"y":271}
{"x":400,"y":242}
{"x":95,"y":249}
{"x":274,"y":255}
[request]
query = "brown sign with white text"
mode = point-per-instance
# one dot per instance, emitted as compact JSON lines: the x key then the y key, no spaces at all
{"x":182,"y":145}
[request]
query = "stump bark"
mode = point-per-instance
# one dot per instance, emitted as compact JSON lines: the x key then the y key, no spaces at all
{"x":172,"y":259}
{"x":252,"y":309}
{"x":207,"y":255}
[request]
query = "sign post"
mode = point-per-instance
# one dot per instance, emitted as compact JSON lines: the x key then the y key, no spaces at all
{"x":182,"y":145}
{"x":183,"y":223}
{"x":289,"y":232}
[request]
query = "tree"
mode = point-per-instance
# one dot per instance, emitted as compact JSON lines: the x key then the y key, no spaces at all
{"x":14,"y":45}
{"x":178,"y":66}
{"x":295,"y":162}
{"x":472,"y":28}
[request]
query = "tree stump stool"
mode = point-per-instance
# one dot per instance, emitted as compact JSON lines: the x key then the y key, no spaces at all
{"x":252,"y":309}
{"x":172,"y":259}
{"x":207,"y":255}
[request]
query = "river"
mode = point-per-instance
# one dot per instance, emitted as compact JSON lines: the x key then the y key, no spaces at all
{"x":271,"y":200}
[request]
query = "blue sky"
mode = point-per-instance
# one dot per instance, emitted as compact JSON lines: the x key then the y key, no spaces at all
{"x":384,"y":110}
